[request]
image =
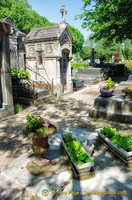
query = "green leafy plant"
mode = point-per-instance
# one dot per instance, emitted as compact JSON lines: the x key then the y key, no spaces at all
{"x":18,"y":73}
{"x":36,"y":124}
{"x":77,"y":65}
{"x":78,"y":155}
{"x":110,"y":84}
{"x":108,"y":132}
{"x":124,"y":142}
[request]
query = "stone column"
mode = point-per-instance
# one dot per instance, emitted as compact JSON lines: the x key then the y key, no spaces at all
{"x":69,"y":81}
{"x":58,"y":89}
{"x":6,"y":85}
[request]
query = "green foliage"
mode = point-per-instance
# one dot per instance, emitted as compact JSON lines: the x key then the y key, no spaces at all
{"x":18,"y":73}
{"x":34,"y":122}
{"x":18,"y":108}
{"x":108,"y":19}
{"x":78,"y":155}
{"x":78,"y":39}
{"x":127,"y":49}
{"x":77,"y":65}
{"x":128,"y":64}
{"x":85,"y":52}
{"x":23,"y":16}
{"x":124,"y":142}
{"x":108,"y":132}
{"x":68,"y":137}
{"x":42,"y":129}
{"x":110,"y":84}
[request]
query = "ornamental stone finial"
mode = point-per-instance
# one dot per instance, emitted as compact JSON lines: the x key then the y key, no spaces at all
{"x":64,"y":12}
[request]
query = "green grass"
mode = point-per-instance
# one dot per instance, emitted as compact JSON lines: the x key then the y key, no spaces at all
{"x":77,"y":65}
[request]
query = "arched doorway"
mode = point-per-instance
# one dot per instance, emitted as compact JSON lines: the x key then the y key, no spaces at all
{"x":63,"y":68}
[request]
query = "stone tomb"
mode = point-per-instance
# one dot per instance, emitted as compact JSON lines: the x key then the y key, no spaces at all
{"x":88,"y":74}
{"x":48,"y":56}
{"x":6,"y":100}
{"x":116,"y":108}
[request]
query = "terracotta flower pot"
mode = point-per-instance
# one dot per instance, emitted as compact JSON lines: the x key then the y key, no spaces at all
{"x":40,"y":145}
{"x":40,"y":140}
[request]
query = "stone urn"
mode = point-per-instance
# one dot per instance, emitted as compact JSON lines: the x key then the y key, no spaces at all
{"x":40,"y":140}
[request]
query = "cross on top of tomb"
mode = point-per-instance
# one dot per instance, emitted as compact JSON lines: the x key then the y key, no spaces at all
{"x":64,"y":12}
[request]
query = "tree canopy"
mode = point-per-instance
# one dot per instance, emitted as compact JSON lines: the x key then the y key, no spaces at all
{"x":25,"y":19}
{"x":110,"y":19}
{"x":21,"y":13}
{"x":78,"y":39}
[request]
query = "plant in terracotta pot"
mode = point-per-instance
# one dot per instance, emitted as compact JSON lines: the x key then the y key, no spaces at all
{"x":108,"y":89}
{"x":39,"y":129}
{"x":128,"y":91}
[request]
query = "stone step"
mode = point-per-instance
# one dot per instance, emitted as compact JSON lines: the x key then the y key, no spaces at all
{"x":113,"y":104}
{"x":111,"y":116}
{"x":30,"y":101}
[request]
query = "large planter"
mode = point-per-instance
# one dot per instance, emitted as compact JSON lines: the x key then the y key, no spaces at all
{"x":123,"y":155}
{"x":106,"y":92}
{"x":79,"y":171}
{"x":40,"y":140}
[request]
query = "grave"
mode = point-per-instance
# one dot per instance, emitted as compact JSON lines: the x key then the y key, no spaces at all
{"x":6,"y":100}
{"x":16,"y":45}
{"x":116,"y":108}
{"x":49,"y":54}
{"x":87,"y":74}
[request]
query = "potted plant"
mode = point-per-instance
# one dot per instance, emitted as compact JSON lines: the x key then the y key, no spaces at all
{"x":77,"y":155}
{"x":120,"y":145}
{"x":108,"y":89}
{"x":39,"y":129}
{"x":128,"y":91}
{"x":18,"y":75}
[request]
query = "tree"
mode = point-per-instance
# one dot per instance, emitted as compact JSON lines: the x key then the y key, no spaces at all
{"x":110,"y":19}
{"x":78,"y":39}
{"x":21,"y":13}
{"x":127,"y":49}
{"x":85,"y":52}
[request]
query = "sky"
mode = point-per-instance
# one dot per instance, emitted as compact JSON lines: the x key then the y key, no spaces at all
{"x":51,"y":10}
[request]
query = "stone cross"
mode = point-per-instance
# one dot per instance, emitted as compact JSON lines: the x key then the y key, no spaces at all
{"x":92,"y":55}
{"x":64,"y":12}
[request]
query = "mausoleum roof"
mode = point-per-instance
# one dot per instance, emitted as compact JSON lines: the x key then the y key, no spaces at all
{"x":45,"y":33}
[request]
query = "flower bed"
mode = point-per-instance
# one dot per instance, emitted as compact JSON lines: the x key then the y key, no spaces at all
{"x":118,"y":149}
{"x":78,"y":157}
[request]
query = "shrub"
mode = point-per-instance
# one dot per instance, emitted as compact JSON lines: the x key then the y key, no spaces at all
{"x":77,"y":65}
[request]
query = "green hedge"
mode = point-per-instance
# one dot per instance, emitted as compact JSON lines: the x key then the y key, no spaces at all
{"x":76,"y":65}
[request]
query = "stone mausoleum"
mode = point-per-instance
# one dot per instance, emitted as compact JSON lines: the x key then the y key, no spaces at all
{"x":49,"y":54}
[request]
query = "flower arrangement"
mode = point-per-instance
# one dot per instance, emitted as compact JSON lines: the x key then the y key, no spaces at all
{"x":37,"y":124}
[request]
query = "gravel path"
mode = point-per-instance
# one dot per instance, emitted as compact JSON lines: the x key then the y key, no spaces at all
{"x":69,"y":109}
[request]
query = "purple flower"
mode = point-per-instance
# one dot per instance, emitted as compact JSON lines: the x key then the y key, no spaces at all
{"x":47,"y":123}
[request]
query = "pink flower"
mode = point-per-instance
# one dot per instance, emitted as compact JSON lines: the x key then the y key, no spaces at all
{"x":47,"y":123}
